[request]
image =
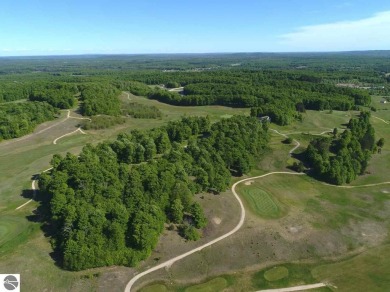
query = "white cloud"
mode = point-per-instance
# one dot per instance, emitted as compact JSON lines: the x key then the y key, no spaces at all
{"x":371,"y":33}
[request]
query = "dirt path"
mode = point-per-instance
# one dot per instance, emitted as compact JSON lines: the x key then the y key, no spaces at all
{"x":381,"y":120}
{"x":77,"y":118}
{"x":176,"y":89}
{"x":234,"y":230}
{"x":68,"y":134}
{"x":128,"y":95}
{"x":296,"y":288}
{"x":297,"y":144}
{"x":34,"y":189}
{"x":360,"y":186}
{"x":68,"y":116}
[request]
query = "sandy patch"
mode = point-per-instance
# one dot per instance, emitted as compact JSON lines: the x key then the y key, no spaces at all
{"x":295,"y":229}
{"x":217,"y":220}
{"x":249,"y":182}
{"x":385,"y":191}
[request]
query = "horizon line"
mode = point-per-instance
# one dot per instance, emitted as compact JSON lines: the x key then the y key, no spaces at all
{"x":186,"y":53}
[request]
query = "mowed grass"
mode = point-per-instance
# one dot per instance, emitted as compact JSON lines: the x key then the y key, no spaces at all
{"x":330,"y":206}
{"x":155,"y":288}
{"x":260,"y":202}
{"x":288,"y":275}
{"x":217,"y":284}
{"x":276,"y":274}
{"x":369,"y":271}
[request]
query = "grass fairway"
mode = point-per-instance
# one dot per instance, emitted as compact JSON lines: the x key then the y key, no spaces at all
{"x":369,"y":271}
{"x":260,"y":202}
{"x":276,"y":274}
{"x":154,"y":288}
{"x":288,"y":275}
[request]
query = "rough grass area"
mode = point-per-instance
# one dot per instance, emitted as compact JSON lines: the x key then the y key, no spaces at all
{"x":276,"y":274}
{"x":260,"y":202}
{"x":214,"y":285}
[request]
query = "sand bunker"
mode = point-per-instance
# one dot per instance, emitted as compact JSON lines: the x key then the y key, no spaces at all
{"x":217,"y":220}
{"x":249,"y":182}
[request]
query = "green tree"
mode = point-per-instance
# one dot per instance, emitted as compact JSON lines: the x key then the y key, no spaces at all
{"x":177,"y":211}
{"x":380,"y":143}
{"x":200,"y":220}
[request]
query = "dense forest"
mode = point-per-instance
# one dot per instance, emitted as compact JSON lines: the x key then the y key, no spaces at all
{"x":341,"y":159}
{"x":59,"y":95}
{"x":280,"y":86}
{"x":18,"y":119}
{"x":109,"y":205}
{"x":278,"y":94}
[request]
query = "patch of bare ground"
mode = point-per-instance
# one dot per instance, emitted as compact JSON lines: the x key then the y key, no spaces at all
{"x":217,"y":220}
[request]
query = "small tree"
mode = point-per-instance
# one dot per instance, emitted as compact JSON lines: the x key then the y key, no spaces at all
{"x":177,"y":211}
{"x":189,"y":232}
{"x":288,"y":140}
{"x":380,"y":143}
{"x":335,"y":132}
{"x":200,"y":220}
{"x":298,"y":166}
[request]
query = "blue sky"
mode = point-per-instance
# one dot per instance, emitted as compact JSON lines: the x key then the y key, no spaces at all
{"x":42,"y":27}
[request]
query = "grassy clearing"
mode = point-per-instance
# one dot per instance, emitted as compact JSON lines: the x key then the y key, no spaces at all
{"x":171,"y":112}
{"x":316,"y":122}
{"x":260,"y":202}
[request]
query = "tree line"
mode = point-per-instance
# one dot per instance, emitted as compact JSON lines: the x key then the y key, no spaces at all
{"x":18,"y":119}
{"x":109,"y":205}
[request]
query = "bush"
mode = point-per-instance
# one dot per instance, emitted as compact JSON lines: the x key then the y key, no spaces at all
{"x":189,"y":232}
